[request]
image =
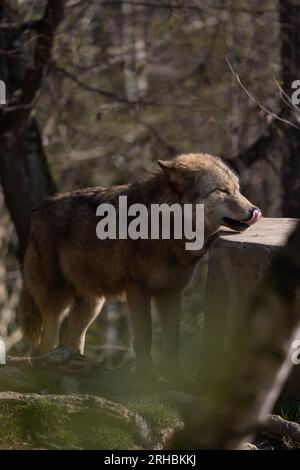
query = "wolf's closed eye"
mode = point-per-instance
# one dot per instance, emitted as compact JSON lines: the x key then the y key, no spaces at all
{"x":216,"y":189}
{"x":224,"y":191}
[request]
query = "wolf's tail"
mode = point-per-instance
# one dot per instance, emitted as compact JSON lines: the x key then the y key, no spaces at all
{"x":30,"y":317}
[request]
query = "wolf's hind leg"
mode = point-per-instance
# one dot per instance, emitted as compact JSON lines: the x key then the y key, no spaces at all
{"x":83,"y":313}
{"x":51,"y":327}
{"x":50,"y":335}
{"x":168,"y":307}
{"x":139,"y":303}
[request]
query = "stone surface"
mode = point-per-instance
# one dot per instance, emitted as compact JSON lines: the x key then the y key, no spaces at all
{"x":266,"y":234}
{"x":237,"y":264}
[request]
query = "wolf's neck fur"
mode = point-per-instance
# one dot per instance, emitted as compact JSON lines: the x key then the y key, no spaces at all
{"x":155,"y":187}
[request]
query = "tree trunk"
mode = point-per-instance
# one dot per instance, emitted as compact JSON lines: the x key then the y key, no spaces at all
{"x":289,"y":11}
{"x":280,"y":139}
{"x":24,"y":172}
{"x":24,"y":175}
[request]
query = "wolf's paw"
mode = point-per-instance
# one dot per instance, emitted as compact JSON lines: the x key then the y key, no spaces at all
{"x":66,"y":359}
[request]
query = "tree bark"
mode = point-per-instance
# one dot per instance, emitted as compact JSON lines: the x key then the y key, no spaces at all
{"x":289,"y":11}
{"x":24,"y":172}
{"x":280,"y":137}
{"x":25,"y":177}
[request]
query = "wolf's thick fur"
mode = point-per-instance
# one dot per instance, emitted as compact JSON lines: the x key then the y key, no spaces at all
{"x":66,"y":265}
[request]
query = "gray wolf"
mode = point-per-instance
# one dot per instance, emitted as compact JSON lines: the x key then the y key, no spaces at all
{"x":67,"y":266}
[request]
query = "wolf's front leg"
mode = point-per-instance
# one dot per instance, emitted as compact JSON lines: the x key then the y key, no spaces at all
{"x":139,"y":303}
{"x":83,"y":313}
{"x":168,"y":307}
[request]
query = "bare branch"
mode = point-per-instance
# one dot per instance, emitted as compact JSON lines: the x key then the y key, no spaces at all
{"x":20,"y":27}
{"x":285,"y":97}
{"x":119,"y":99}
{"x":256,"y":101}
{"x":87,"y":87}
{"x":277,"y":425}
{"x":184,"y":7}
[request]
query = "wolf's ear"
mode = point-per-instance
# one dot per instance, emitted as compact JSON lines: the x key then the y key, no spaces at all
{"x":175,"y":175}
{"x":166,"y":165}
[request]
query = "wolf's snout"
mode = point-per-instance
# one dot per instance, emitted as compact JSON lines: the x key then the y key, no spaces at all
{"x":255,"y":216}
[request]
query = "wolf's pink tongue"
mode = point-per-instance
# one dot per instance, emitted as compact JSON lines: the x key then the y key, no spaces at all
{"x":256,"y":215}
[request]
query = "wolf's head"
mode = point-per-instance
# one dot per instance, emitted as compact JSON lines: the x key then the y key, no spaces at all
{"x":204,"y":179}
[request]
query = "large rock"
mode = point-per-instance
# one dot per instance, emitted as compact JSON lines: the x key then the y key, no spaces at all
{"x":70,"y":421}
{"x":237,"y":263}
